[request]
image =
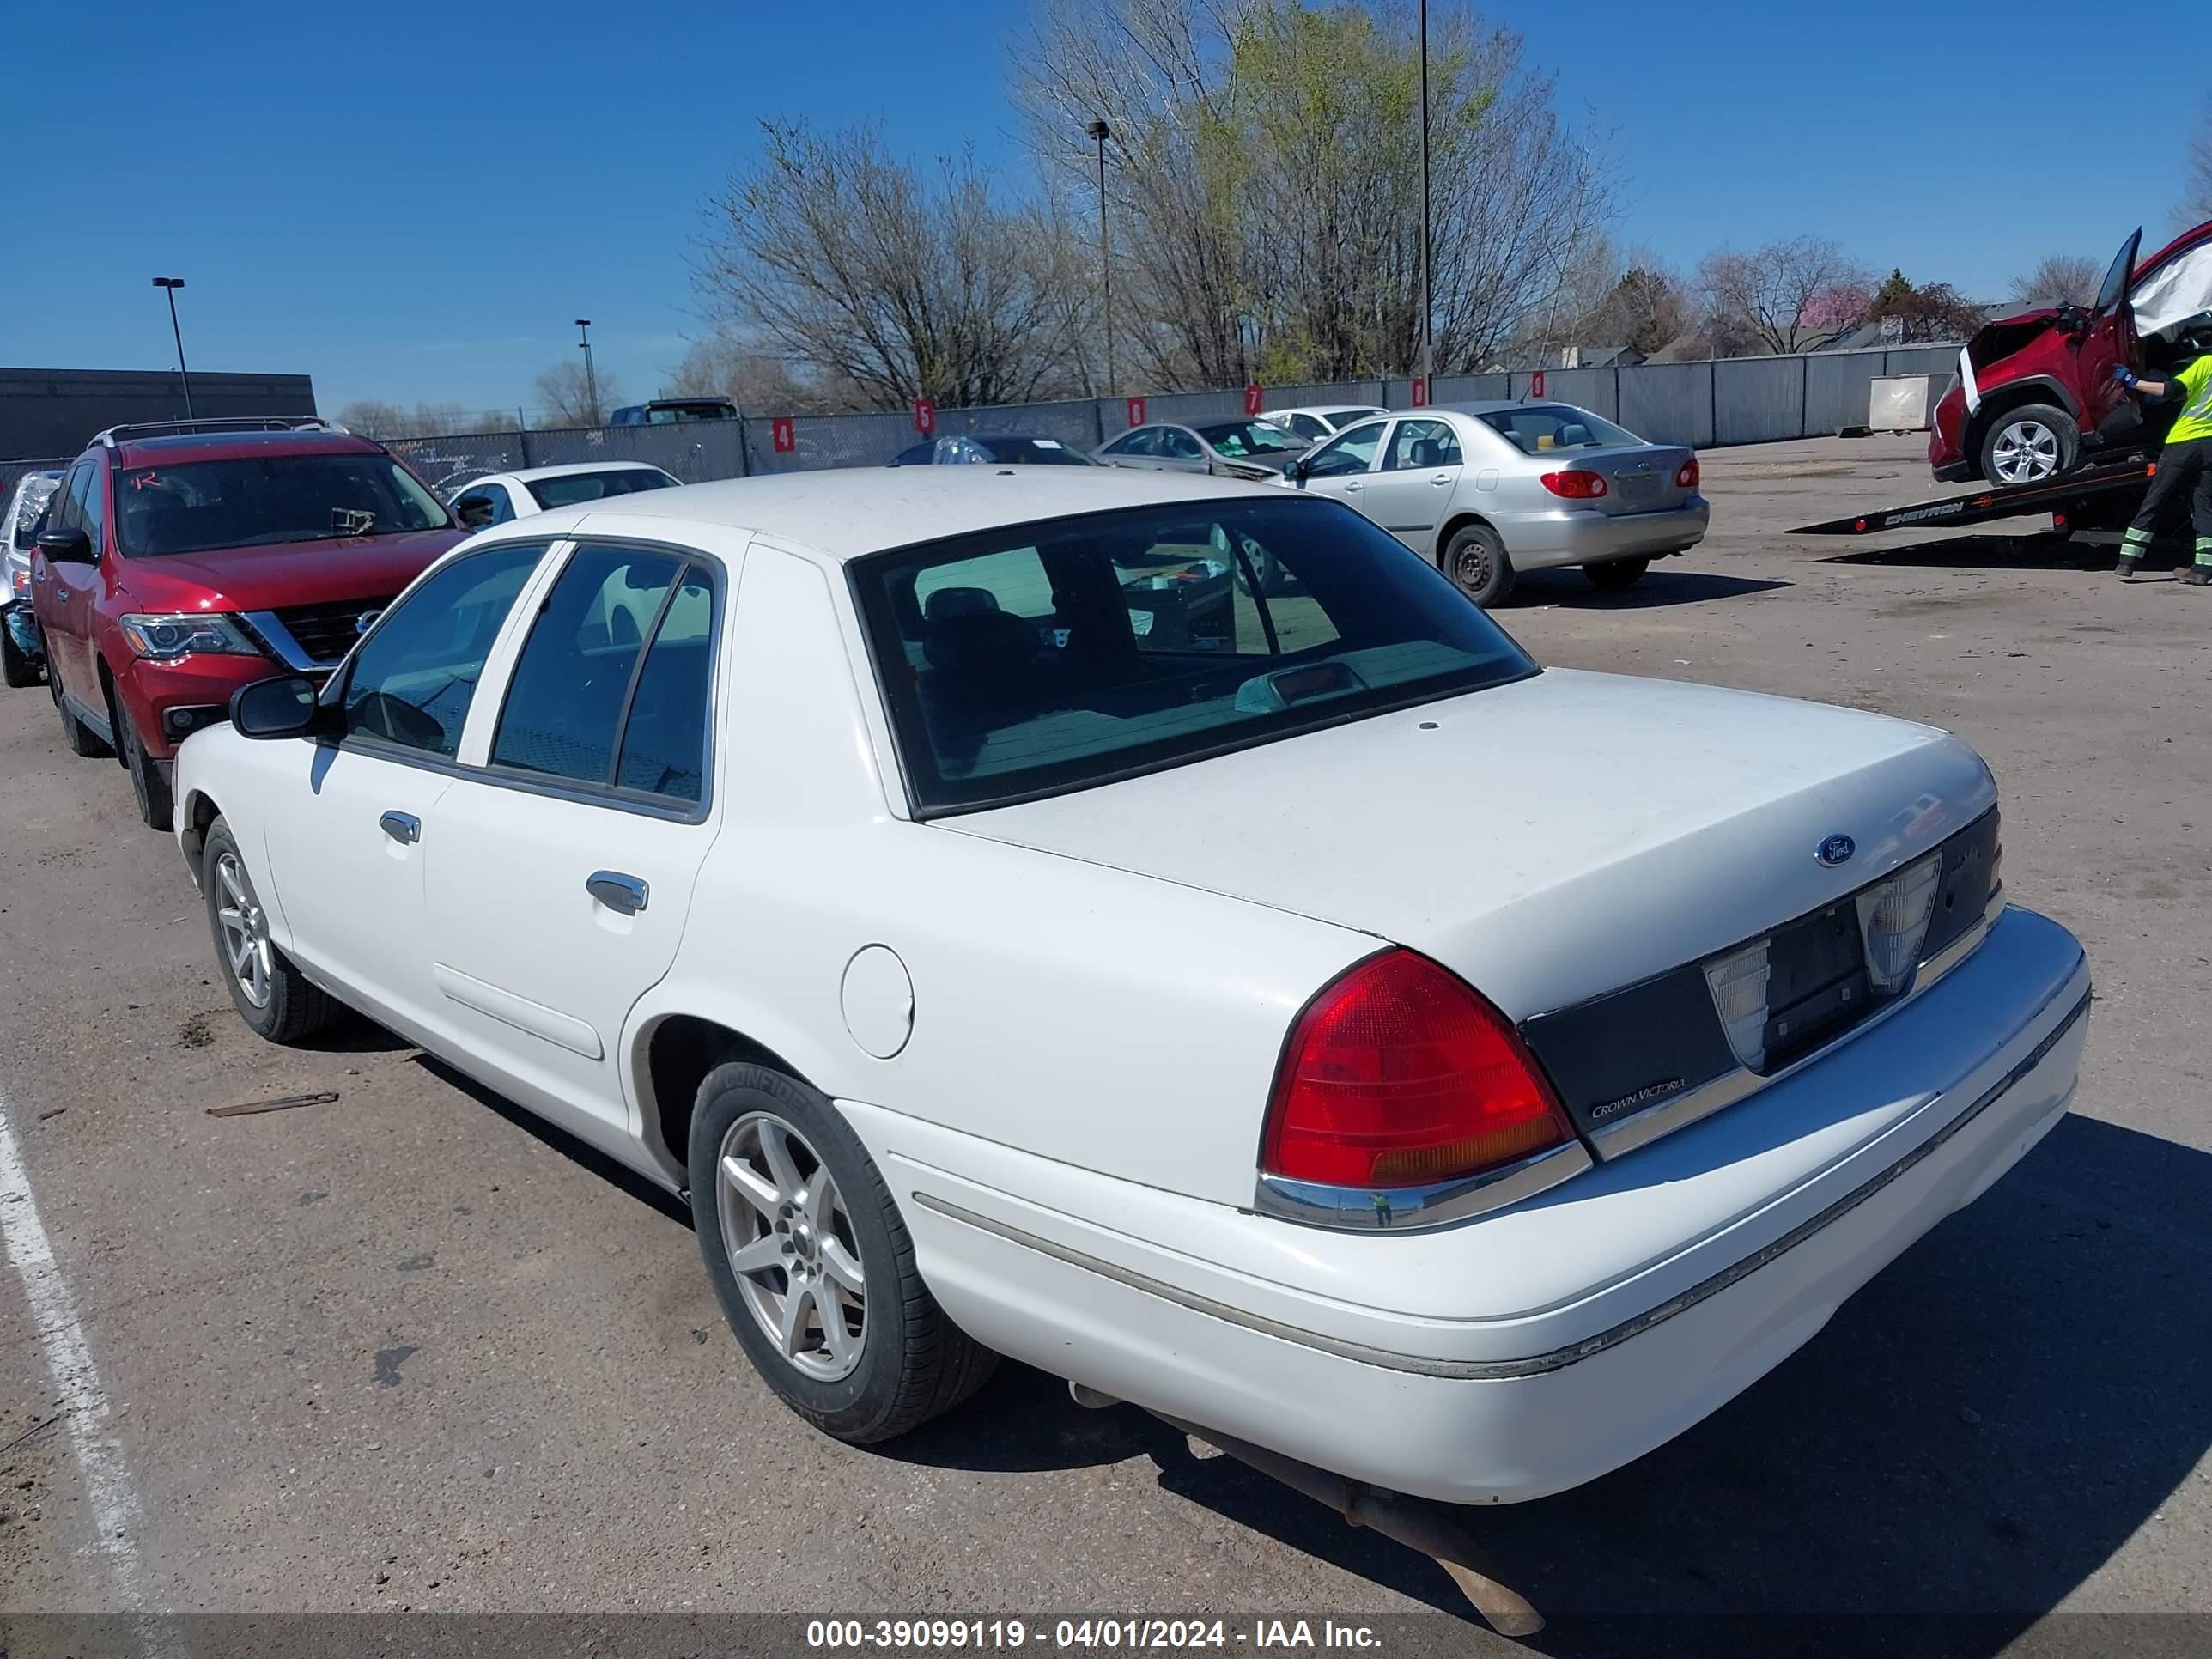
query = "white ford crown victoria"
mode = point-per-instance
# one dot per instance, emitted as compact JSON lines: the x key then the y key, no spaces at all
{"x":1019,"y":932}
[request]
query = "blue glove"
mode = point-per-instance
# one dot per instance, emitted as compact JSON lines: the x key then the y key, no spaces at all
{"x":2125,"y":375}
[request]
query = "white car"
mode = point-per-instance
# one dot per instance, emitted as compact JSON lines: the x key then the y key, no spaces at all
{"x":1305,"y":1018}
{"x":497,"y":497}
{"x":1316,"y":422}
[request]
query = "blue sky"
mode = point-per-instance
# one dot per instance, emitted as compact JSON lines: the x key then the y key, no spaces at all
{"x":413,"y":202}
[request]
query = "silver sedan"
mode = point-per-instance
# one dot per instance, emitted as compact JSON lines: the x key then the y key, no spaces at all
{"x":1239,"y":448}
{"x":1489,"y":489}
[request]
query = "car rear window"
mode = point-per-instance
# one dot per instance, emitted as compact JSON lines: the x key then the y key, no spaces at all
{"x":255,"y":500}
{"x":1034,"y":452}
{"x":1541,"y":428}
{"x":573,"y":487}
{"x":1035,"y":659}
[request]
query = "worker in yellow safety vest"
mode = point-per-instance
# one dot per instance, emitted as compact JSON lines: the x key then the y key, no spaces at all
{"x":2185,"y":466}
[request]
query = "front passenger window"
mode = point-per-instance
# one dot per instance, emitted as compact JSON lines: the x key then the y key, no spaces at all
{"x":412,"y":679}
{"x":1353,"y":453}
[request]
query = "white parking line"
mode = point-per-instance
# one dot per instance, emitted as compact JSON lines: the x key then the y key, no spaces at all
{"x":83,"y":1399}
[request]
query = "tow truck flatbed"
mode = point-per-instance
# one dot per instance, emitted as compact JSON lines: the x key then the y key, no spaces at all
{"x":2055,"y":495}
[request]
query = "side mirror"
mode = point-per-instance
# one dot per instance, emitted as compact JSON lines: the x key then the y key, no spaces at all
{"x":286,"y":707}
{"x":474,"y":511}
{"x":1302,"y":468}
{"x":71,"y":544}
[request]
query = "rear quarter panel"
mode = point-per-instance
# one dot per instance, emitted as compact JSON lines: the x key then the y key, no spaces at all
{"x":1115,"y":1022}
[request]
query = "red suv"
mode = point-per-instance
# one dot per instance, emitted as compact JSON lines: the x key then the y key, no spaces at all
{"x":177,"y":562}
{"x":2035,"y":396}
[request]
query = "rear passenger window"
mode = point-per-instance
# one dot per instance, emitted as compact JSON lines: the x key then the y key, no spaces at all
{"x":612,"y":688}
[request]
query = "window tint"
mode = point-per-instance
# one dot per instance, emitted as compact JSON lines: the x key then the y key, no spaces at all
{"x":1142,"y":441}
{"x":1423,"y":444}
{"x":413,"y":678}
{"x":1541,"y":428}
{"x":1353,"y":452}
{"x":663,"y":745}
{"x":66,"y":510}
{"x":1154,"y":636}
{"x":573,"y":487}
{"x":1179,"y":445}
{"x":586,"y":670}
{"x":253,"y":500}
{"x":502,"y":504}
{"x":920,"y":454}
{"x":1304,"y":425}
{"x":95,"y":509}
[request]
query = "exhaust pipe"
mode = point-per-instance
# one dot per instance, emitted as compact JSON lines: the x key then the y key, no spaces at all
{"x":1409,"y":1521}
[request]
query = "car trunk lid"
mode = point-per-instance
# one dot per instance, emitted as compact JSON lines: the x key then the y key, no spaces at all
{"x":1550,"y":840}
{"x":1641,"y":478}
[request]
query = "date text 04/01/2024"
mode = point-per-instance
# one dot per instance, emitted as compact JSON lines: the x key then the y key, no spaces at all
{"x":940,"y":1634}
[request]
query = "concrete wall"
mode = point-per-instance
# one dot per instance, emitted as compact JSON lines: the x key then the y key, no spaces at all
{"x":53,"y":412}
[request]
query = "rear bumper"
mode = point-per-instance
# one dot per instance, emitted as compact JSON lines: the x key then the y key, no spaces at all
{"x":1505,"y":1409}
{"x":1535,"y":540}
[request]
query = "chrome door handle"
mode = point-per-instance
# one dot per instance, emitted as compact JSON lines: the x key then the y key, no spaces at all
{"x":1442,"y":478}
{"x":402,"y":827}
{"x":1355,"y":484}
{"x":617,"y":891}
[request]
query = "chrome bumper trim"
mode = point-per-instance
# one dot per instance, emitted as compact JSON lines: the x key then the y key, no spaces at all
{"x":1408,"y":1208}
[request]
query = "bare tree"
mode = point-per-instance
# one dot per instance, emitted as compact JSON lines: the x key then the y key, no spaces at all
{"x":758,"y":382}
{"x":373,"y":418}
{"x":1760,"y":298}
{"x":2196,"y":186}
{"x":565,"y":392}
{"x":838,"y":256}
{"x":1263,"y":181}
{"x":2059,"y":277}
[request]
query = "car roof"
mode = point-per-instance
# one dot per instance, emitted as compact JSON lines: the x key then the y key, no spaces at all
{"x":525,"y":474}
{"x":1326,"y":408}
{"x":848,"y":512}
{"x":231,"y":445}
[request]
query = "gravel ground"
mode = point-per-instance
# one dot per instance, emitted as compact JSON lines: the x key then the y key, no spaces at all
{"x":407,"y":1350}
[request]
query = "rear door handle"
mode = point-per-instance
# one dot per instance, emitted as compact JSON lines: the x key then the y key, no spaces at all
{"x":617,"y":891}
{"x":402,"y":827}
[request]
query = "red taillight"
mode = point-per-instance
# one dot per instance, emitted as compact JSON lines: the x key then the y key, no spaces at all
{"x":1576,"y":484}
{"x":1399,"y":1075}
{"x":1685,"y":476}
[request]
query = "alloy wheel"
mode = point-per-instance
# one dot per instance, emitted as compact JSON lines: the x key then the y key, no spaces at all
{"x":2025,"y":453}
{"x":246,"y":948}
{"x":791,"y":1246}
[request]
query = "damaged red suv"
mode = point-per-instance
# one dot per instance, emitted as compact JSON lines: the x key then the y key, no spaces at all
{"x":178,"y":563}
{"x":2035,"y":396}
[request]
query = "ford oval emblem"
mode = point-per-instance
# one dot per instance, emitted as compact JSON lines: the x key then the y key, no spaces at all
{"x":1837,"y":850}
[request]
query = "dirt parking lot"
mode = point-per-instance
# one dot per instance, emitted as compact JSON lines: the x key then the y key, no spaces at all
{"x":407,"y":1350}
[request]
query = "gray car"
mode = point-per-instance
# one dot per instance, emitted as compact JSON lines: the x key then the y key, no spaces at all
{"x":1489,"y":489}
{"x":1239,"y":448}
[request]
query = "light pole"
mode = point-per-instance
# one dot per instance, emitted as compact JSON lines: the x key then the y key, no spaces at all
{"x":1101,"y":132}
{"x":1428,"y":299}
{"x":591,"y":375}
{"x":171,"y":285}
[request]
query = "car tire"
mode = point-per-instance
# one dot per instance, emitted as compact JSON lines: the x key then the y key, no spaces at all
{"x":1263,"y":567}
{"x":1475,"y":561}
{"x":2030,"y":444}
{"x":17,"y":669}
{"x":81,"y":738}
{"x":156,"y":806}
{"x":811,"y":1214}
{"x":1616,"y":575}
{"x":271,"y":994}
